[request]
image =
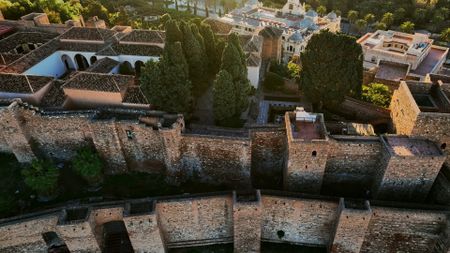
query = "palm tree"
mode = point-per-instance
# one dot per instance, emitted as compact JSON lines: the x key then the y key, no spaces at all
{"x":388,"y":19}
{"x":361,"y":24}
{"x":352,"y":16}
{"x":407,"y":27}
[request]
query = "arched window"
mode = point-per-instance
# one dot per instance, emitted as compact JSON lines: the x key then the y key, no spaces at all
{"x":126,"y":68}
{"x":82,"y":62}
{"x":68,"y":63}
{"x":93,"y":59}
{"x":138,"y":66}
{"x":314,"y":153}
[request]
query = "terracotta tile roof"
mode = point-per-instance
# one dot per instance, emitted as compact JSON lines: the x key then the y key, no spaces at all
{"x":7,"y":58}
{"x":145,"y":36}
{"x":134,"y":95}
{"x":270,"y":31}
{"x":218,"y":26}
{"x":131,"y":49}
{"x":84,"y":33}
{"x":16,"y":83}
{"x":11,"y":42}
{"x":79,"y":46}
{"x":104,"y":65}
{"x":55,"y":96}
{"x":98,"y":82}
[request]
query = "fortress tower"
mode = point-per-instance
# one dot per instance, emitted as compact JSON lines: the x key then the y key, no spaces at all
{"x":307,"y":151}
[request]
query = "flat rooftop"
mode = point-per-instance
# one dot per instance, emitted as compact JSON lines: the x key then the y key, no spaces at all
{"x":392,"y":71}
{"x":404,"y":146}
{"x":311,"y":128}
{"x":430,"y":61}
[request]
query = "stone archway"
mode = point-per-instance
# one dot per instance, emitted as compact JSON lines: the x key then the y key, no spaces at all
{"x":93,"y":59}
{"x":126,"y":68}
{"x":138,"y":67}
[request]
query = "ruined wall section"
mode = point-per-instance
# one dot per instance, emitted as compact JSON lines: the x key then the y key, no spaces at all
{"x":298,"y":221}
{"x":26,"y":236}
{"x":108,"y":144}
{"x":352,"y":162}
{"x":142,"y":146}
{"x":268,"y":157}
{"x":217,"y":159}
{"x":15,"y":137}
{"x":200,"y":221}
{"x":395,"y":230}
{"x":57,"y":136}
{"x":404,"y":111}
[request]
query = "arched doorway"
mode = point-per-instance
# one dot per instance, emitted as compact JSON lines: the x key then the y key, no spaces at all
{"x":93,"y":59}
{"x":68,"y":63}
{"x":82,"y":62}
{"x":126,"y":68}
{"x":138,"y":66}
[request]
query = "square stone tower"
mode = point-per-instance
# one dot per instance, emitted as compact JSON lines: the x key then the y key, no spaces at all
{"x":307,"y":152}
{"x":408,"y":168}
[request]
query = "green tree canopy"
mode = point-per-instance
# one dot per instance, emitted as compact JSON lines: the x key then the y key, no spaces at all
{"x":445,"y":34}
{"x":352,"y":16}
{"x":369,"y":18}
{"x":376,"y":93}
{"x":407,"y":27}
{"x":212,"y":55}
{"x":88,"y":164}
{"x":42,"y":177}
{"x":388,"y":19}
{"x":380,"y":26}
{"x":166,"y":83}
{"x":173,"y":32}
{"x":273,"y":81}
{"x":224,"y":98}
{"x":322,"y":10}
{"x":332,"y":68}
{"x":361,"y":24}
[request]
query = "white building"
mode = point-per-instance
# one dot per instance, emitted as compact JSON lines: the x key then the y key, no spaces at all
{"x":297,"y":24}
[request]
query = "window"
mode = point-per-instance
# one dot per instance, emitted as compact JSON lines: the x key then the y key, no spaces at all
{"x":314,"y":153}
{"x":291,"y":7}
{"x":443,"y":145}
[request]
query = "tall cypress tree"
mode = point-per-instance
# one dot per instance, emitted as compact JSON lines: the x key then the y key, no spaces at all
{"x":232,"y":63}
{"x":173,"y":32}
{"x":233,"y":38}
{"x":166,"y":83}
{"x":224,"y":98}
{"x":210,"y":49}
{"x":194,"y":57}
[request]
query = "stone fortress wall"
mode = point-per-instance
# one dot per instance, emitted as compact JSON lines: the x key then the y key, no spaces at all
{"x":244,"y":219}
{"x":158,"y":143}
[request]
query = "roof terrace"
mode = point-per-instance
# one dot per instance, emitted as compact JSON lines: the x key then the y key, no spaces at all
{"x":305,"y":126}
{"x":430,"y":97}
{"x":404,"y":146}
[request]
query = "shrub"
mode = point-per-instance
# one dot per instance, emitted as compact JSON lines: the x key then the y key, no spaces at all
{"x":377,"y":94}
{"x":42,"y":177}
{"x":88,"y":164}
{"x":273,"y":81}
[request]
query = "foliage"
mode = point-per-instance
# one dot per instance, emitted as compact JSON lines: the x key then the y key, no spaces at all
{"x":322,"y":10}
{"x":332,"y":69}
{"x":388,"y":19}
{"x":407,"y":27}
{"x":195,"y":56}
{"x":166,"y":83}
{"x":213,"y":56}
{"x":376,"y":93}
{"x":293,"y":70}
{"x":352,"y":16}
{"x":361,"y":24}
{"x":88,"y":164}
{"x":380,"y":26}
{"x":224,"y":98}
{"x":273,"y":81}
{"x":41,"y":176}
{"x":95,"y":8}
{"x":173,"y":32}
{"x":445,"y":34}
{"x":369,"y":18}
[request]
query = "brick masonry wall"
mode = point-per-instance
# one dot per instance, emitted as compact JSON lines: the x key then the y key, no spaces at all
{"x":409,"y":178}
{"x":26,"y":236}
{"x":217,"y":160}
{"x":304,"y":171}
{"x":268,"y":157}
{"x":196,"y":221}
{"x":144,"y":233}
{"x":395,"y":230}
{"x":352,"y":162}
{"x":404,"y":110}
{"x":351,"y":228}
{"x":204,"y":220}
{"x":247,"y":225}
{"x":303,"y":221}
